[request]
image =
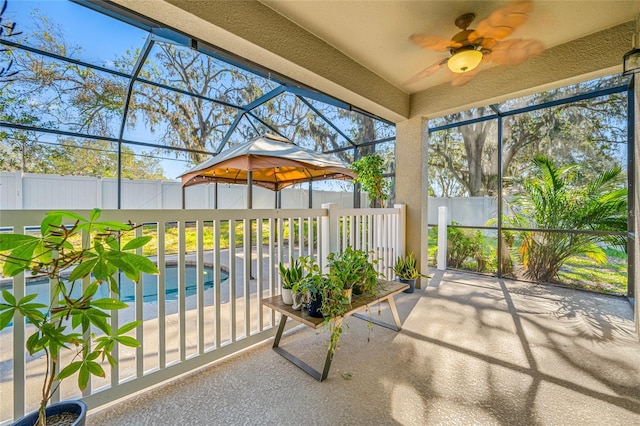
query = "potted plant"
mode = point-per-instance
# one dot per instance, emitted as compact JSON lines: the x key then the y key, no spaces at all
{"x":311,"y":285}
{"x":406,"y":270}
{"x":70,"y":322}
{"x":370,"y":170}
{"x":353,"y":271}
{"x":290,"y":277}
{"x":330,"y":294}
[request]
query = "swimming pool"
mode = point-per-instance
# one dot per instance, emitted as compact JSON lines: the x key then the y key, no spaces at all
{"x":40,"y":286}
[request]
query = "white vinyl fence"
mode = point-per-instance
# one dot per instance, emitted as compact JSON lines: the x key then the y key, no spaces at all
{"x":469,"y":211}
{"x":31,"y":191}
{"x":214,"y":307}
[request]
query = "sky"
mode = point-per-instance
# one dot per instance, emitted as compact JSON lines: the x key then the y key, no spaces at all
{"x":101,"y":39}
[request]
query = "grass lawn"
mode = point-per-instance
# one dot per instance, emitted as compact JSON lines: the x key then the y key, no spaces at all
{"x":577,"y":272}
{"x":582,"y":272}
{"x":208,"y":236}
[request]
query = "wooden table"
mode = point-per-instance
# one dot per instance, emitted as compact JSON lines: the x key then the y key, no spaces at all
{"x":385,"y":292}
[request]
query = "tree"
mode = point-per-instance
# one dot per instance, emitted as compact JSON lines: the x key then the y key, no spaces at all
{"x":99,"y":158}
{"x":560,"y":198}
{"x":23,"y":152}
{"x":183,"y":120}
{"x":7,"y":30}
{"x":468,"y":155}
{"x":19,"y":150}
{"x":170,"y":98}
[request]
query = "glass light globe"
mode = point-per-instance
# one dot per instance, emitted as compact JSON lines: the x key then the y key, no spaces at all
{"x":465,"y":60}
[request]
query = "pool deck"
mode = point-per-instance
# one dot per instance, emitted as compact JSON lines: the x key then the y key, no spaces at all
{"x":473,"y":350}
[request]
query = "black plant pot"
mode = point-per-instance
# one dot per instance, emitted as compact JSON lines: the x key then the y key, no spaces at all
{"x":412,"y":285}
{"x":75,"y":407}
{"x":315,"y":305}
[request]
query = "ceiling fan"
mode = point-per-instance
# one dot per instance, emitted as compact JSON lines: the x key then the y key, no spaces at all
{"x":471,"y":47}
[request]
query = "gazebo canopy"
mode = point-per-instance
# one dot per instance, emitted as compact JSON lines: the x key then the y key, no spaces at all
{"x":274,"y":163}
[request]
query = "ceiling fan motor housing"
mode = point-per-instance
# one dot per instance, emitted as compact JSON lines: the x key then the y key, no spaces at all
{"x":465,"y":55}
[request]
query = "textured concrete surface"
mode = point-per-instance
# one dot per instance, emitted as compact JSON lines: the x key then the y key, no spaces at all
{"x":473,"y":350}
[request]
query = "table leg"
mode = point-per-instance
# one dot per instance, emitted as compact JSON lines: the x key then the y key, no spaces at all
{"x":394,"y":312}
{"x":327,"y":362}
{"x":283,"y":322}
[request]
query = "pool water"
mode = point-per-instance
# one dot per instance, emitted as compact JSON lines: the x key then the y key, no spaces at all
{"x":127,"y":287}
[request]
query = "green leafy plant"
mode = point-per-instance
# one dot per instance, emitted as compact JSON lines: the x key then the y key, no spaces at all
{"x":292,"y":274}
{"x":67,"y":255}
{"x":370,"y":171}
{"x":312,"y":280}
{"x":346,"y":270}
{"x":334,"y":306}
{"x":463,"y":245}
{"x":353,"y":268}
{"x":406,"y":268}
{"x":556,"y":198}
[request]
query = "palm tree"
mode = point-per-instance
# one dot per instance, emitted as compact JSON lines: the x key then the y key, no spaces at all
{"x":555,"y":199}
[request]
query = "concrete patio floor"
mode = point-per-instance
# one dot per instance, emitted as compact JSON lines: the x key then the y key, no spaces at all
{"x":473,"y":350}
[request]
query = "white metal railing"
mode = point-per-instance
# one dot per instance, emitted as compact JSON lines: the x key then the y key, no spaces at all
{"x":209,"y":318}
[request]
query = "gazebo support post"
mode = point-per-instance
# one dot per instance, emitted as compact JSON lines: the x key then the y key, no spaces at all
{"x":249,"y":189}
{"x":183,"y":199}
{"x":215,"y":195}
{"x":248,"y":223}
{"x":310,"y":194}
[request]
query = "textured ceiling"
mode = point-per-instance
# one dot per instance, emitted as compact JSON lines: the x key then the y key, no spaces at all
{"x":376,"y":33}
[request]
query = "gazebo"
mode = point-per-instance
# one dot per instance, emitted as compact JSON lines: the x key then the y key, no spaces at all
{"x":268,"y":161}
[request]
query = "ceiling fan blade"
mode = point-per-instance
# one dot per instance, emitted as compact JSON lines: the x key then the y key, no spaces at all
{"x":502,"y":22}
{"x":514,"y":51}
{"x":487,"y":43}
{"x":430,"y":70}
{"x":433,"y":43}
{"x":460,"y":79}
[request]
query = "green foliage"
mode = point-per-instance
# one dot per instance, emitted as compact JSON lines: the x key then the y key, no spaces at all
{"x":67,"y":322}
{"x":292,"y":274}
{"x":8,"y":30}
{"x":406,"y":268}
{"x":313,"y":280}
{"x":353,"y":268}
{"x":463,"y":160}
{"x":370,"y":171}
{"x":346,"y":270}
{"x":557,"y":198}
{"x":100,"y":158}
{"x":21,"y":151}
{"x":84,"y":100}
{"x":463,"y":245}
{"x":582,"y":272}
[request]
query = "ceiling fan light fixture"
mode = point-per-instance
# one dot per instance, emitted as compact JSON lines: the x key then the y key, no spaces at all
{"x":464,"y":60}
